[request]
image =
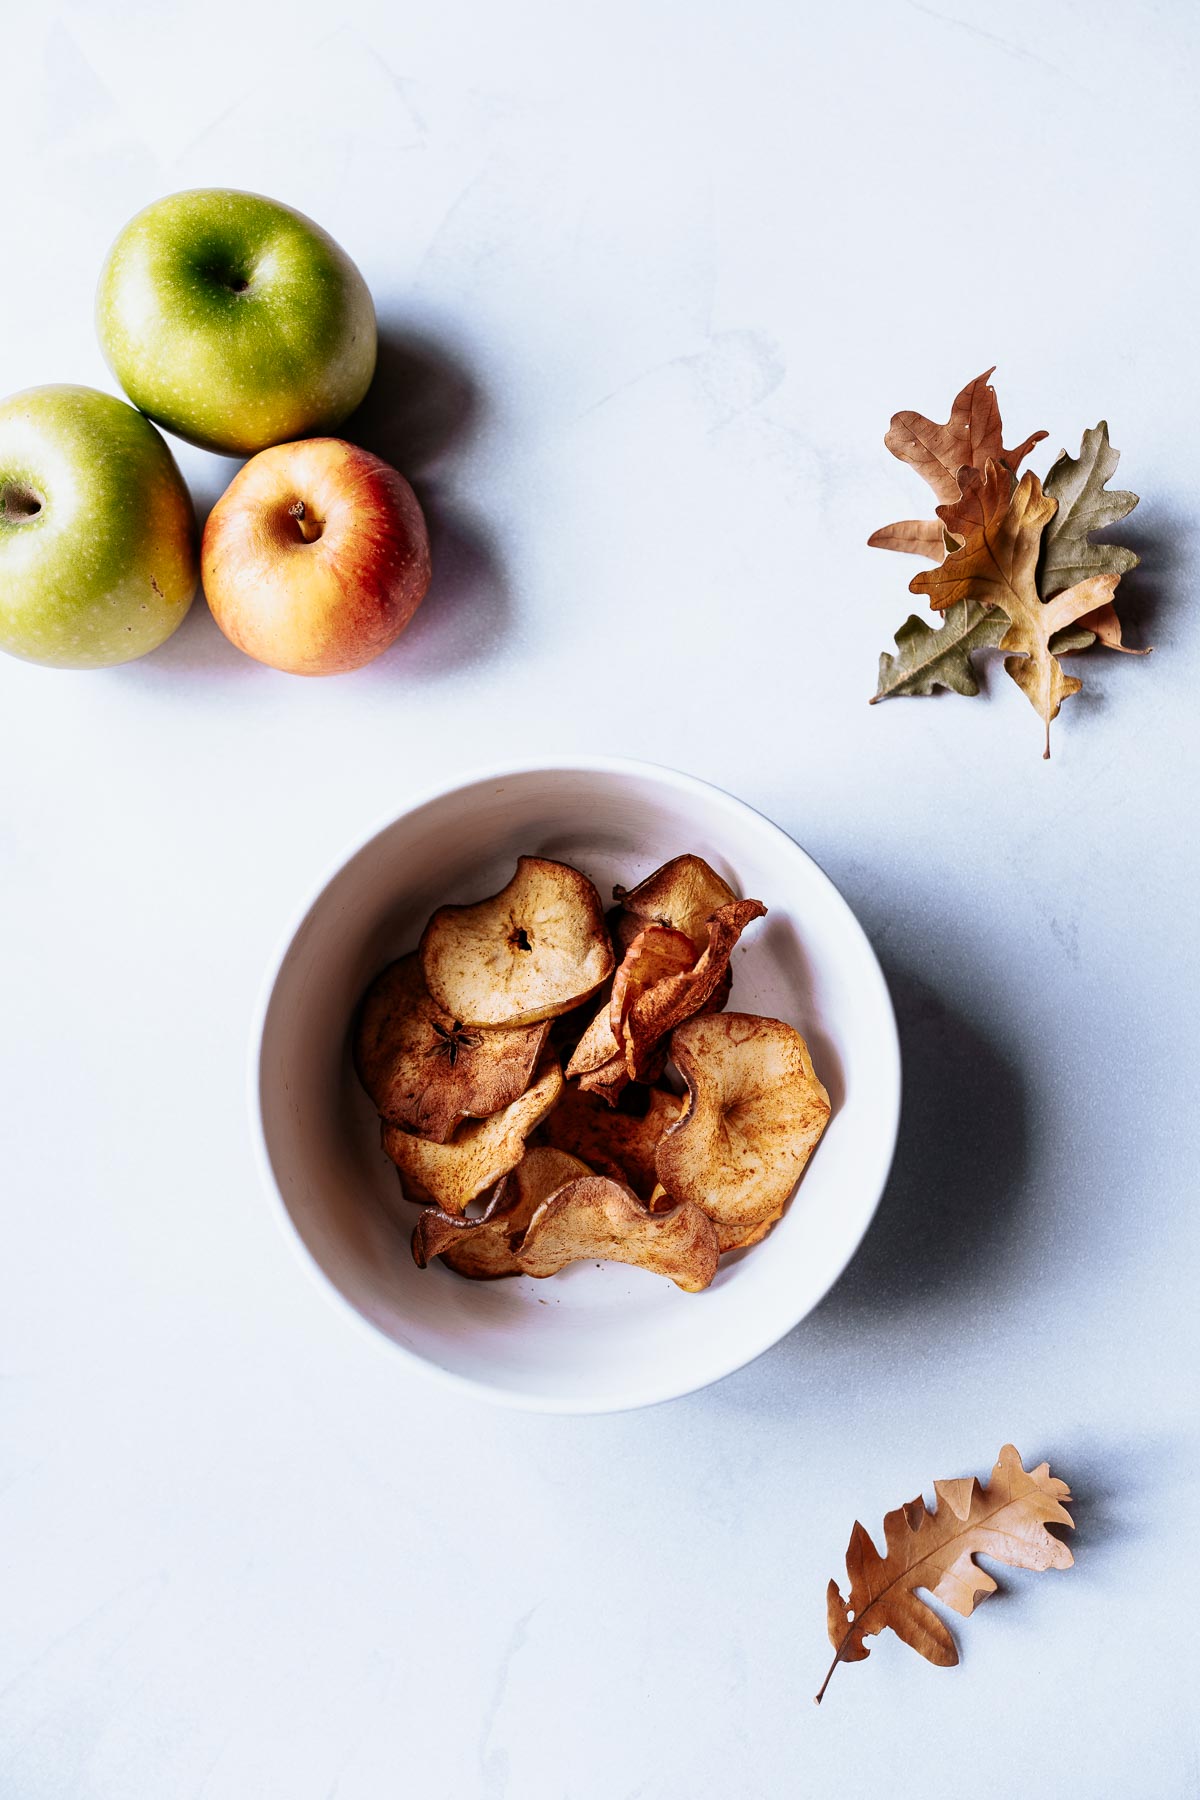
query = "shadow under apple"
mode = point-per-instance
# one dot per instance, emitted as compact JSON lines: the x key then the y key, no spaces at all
{"x":422,"y":403}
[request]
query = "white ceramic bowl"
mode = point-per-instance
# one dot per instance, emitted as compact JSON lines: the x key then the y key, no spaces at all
{"x":594,"y":1338}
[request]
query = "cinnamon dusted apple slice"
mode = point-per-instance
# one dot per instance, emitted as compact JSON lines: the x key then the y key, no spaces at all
{"x":596,"y":1047}
{"x":425,"y":1069}
{"x":655,"y":953}
{"x":484,"y":1248}
{"x":599,"y":1059}
{"x":659,"y":1008}
{"x":596,"y":1217}
{"x":530,"y":952}
{"x":611,"y":1140}
{"x":611,"y":1079}
{"x":452,"y":1174}
{"x":683,"y":894}
{"x":756,"y":1111}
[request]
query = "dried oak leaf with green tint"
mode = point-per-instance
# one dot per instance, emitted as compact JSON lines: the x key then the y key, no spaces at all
{"x":597,"y":1218}
{"x":1086,"y":504}
{"x":612,"y":1140}
{"x":452,"y":1174}
{"x":530,"y":952}
{"x":927,"y":658}
{"x":484,"y":1248}
{"x":425,"y":1069}
{"x":996,"y":567}
{"x":756,"y":1110}
{"x":1005,"y":1519}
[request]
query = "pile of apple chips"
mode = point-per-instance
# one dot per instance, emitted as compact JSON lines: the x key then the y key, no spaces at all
{"x":520,"y":1165}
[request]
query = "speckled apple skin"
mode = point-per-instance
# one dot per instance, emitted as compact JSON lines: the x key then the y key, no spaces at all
{"x":325,"y":606}
{"x":234,"y":321}
{"x":107,"y":568}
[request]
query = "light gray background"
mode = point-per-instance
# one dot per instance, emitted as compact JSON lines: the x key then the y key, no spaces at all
{"x":651,"y":280}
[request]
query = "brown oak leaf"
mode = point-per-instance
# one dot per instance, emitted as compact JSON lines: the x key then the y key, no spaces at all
{"x":1004,"y":1519}
{"x":975,"y":505}
{"x":970,"y":438}
{"x":996,"y":566}
{"x":912,"y":537}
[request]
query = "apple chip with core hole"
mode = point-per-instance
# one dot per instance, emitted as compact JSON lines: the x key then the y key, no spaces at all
{"x":658,"y":1009}
{"x":756,"y":1111}
{"x":425,"y":1069}
{"x":610,"y":1140}
{"x":530,"y":952}
{"x":597,"y":1218}
{"x":684,"y":894}
{"x":483,"y":1248}
{"x":452,"y":1174}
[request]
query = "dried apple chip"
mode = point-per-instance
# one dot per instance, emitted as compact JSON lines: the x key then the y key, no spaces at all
{"x":530,"y":952}
{"x":655,"y":953}
{"x":611,"y":1140}
{"x":596,"y":1217}
{"x":611,"y":1078}
{"x":452,"y":1174}
{"x":684,"y":894}
{"x":756,"y":1110}
{"x":425,"y":1069}
{"x":596,"y":1047}
{"x":658,"y":1009}
{"x":484,"y":1248}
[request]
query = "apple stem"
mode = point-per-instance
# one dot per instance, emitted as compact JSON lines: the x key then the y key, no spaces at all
{"x":310,"y":529}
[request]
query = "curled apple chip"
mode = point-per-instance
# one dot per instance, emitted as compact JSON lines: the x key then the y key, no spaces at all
{"x":530,"y":952}
{"x":683,"y":894}
{"x":611,"y":1078}
{"x":598,"y":1061}
{"x":596,"y":1047}
{"x":756,"y":1110}
{"x":613,"y":1141}
{"x":602,"y":1060}
{"x":485,"y":1248}
{"x":425,"y":1069}
{"x":452,"y":1174}
{"x":655,"y":953}
{"x":659,"y":1008}
{"x":596,"y":1217}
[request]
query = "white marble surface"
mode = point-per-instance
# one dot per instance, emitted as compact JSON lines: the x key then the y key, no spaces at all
{"x":652,"y":278}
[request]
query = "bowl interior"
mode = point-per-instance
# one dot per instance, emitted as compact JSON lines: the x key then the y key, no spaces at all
{"x":594,"y":1337}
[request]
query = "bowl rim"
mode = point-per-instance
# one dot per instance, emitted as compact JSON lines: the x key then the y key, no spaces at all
{"x":651,"y":1393}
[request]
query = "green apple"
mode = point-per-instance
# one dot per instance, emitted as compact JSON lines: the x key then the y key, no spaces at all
{"x":98,"y":557}
{"x":234,"y":321}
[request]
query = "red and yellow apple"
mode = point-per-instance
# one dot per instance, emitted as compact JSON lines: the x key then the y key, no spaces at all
{"x":316,"y":557}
